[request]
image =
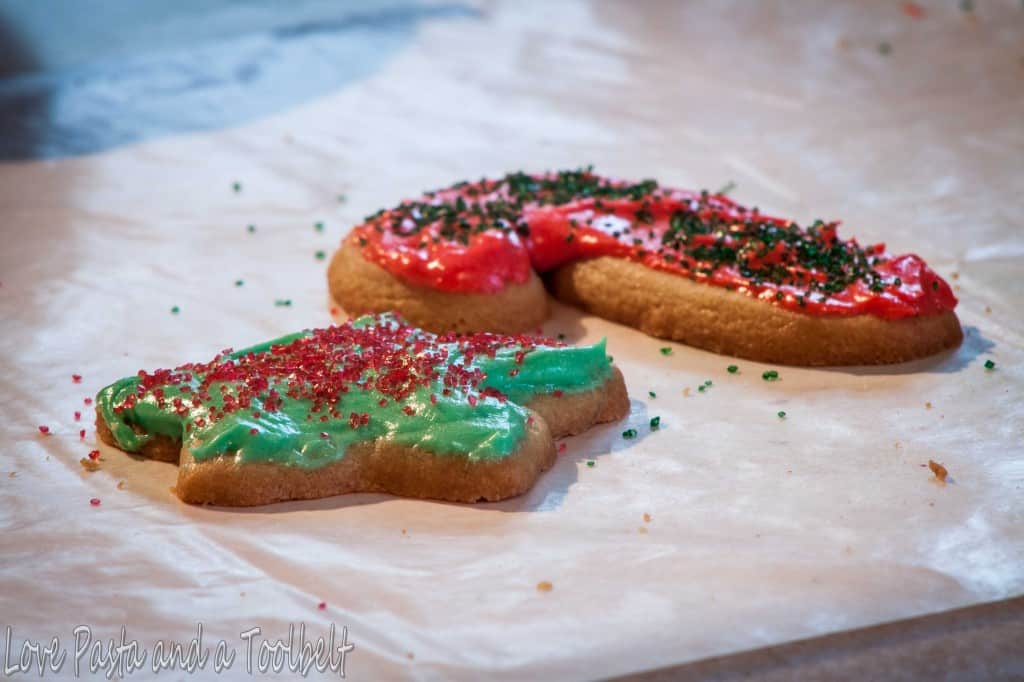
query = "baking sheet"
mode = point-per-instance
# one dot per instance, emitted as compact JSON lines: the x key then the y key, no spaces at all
{"x":761,"y":529}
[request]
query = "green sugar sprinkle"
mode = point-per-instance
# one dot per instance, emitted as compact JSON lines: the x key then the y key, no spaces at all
{"x":610,"y":359}
{"x":175,"y":310}
{"x":655,"y":422}
{"x":629,"y":433}
{"x":590,"y":463}
{"x":251,"y":228}
{"x":283,"y":302}
{"x":770,"y":375}
{"x":732,"y":369}
{"x":342,"y":198}
{"x":237,"y":186}
{"x":319,"y":226}
{"x":239,"y":282}
{"x":989,"y":364}
{"x":782,"y":414}
{"x":702,"y":388}
{"x":726,"y":188}
{"x":708,"y":382}
{"x":666,"y":351}
{"x":884,"y":48}
{"x":320,"y":255}
{"x":652,"y":394}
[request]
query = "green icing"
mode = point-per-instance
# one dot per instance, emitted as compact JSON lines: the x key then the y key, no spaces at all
{"x":492,"y":429}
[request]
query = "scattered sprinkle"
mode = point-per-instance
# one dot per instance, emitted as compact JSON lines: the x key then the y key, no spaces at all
{"x":666,"y":351}
{"x":342,"y":198}
{"x":782,"y":414}
{"x":239,"y":282}
{"x":558,"y":393}
{"x":652,"y":394}
{"x":590,"y":463}
{"x":319,"y":226}
{"x":561,"y":337}
{"x":44,"y":429}
{"x":708,"y":383}
{"x":320,"y":255}
{"x":76,"y":378}
{"x":884,"y":48}
{"x":544,"y":586}
{"x":655,"y":423}
{"x":87,"y":401}
{"x":702,"y":388}
{"x":940,"y":471}
{"x":732,"y":369}
{"x":95,"y":501}
{"x":81,"y":434}
{"x":237,"y":186}
{"x":561,"y":447}
{"x":175,"y":310}
{"x":629,"y":433}
{"x":283,"y":302}
{"x":94,"y":454}
{"x":322,"y":605}
{"x":89,"y":464}
{"x":78,"y":416}
{"x":989,"y":364}
{"x":913,"y":10}
{"x":770,"y":375}
{"x":251,"y":228}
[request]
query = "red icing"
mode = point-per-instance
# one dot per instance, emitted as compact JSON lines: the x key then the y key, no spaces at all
{"x":469,"y":246}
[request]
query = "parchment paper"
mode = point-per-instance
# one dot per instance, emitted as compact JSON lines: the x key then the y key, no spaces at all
{"x":761,"y":529}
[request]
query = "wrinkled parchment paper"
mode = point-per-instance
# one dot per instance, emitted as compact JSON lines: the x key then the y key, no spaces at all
{"x":761,"y":529}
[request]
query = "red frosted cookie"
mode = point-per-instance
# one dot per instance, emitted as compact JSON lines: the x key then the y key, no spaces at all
{"x":688,"y":266}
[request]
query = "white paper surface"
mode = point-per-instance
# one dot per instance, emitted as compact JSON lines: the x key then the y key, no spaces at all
{"x":762,"y":530}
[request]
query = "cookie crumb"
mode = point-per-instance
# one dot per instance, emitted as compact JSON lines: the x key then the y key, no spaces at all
{"x":121,"y":485}
{"x":544,"y":586}
{"x":686,"y":392}
{"x":642,"y":530}
{"x":647,"y":517}
{"x":408,"y":654}
{"x":13,"y":474}
{"x":590,"y":463}
{"x":322,"y":605}
{"x":89,"y":464}
{"x":404,"y":532}
{"x":988,"y":309}
{"x":940,"y":471}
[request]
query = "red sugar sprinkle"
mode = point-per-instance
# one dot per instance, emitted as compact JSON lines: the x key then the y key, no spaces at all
{"x":76,"y":378}
{"x":43,"y":429}
{"x":322,"y":605}
{"x":88,"y":401}
{"x":78,"y":416}
{"x":558,"y":393}
{"x":81,"y":434}
{"x":390,"y":359}
{"x":95,"y":501}
{"x":94,"y":454}
{"x":325,"y":435}
{"x":334,"y":311}
{"x":561,"y":447}
{"x":529,"y":420}
{"x":409,"y":410}
{"x":254,"y":431}
{"x":514,"y":372}
{"x":913,"y":10}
